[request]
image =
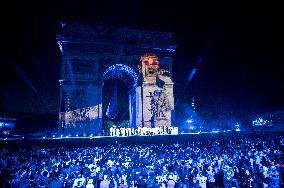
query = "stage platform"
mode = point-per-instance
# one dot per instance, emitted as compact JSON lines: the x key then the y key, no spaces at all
{"x":77,"y":141}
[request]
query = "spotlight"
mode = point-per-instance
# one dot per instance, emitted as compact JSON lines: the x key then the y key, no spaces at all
{"x":189,"y":121}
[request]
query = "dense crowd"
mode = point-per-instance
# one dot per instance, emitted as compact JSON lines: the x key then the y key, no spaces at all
{"x":214,"y":163}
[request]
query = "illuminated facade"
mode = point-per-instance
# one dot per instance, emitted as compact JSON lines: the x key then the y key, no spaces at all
{"x":93,"y":54}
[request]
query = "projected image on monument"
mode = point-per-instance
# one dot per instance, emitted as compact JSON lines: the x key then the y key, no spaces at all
{"x":115,"y":105}
{"x":77,"y":114}
{"x":115,"y":78}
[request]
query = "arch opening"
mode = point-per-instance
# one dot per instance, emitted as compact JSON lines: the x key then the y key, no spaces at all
{"x":119,"y":91}
{"x":115,"y":104}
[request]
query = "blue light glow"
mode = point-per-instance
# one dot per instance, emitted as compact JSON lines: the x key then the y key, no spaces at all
{"x":262,"y":122}
{"x":60,"y":46}
{"x":122,"y":72}
{"x":189,"y":121}
{"x":192,"y":74}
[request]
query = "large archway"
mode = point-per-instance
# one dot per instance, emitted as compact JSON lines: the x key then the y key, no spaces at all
{"x":118,"y":73}
{"x":94,"y":54}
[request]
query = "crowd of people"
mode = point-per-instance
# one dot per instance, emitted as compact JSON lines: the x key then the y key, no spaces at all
{"x":213,"y":163}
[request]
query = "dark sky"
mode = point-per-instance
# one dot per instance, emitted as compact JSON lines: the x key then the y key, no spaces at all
{"x":236,"y":47}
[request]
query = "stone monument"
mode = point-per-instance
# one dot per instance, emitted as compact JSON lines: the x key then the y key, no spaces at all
{"x":92,"y":54}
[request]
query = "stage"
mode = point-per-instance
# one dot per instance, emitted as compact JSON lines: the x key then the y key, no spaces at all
{"x":51,"y":142}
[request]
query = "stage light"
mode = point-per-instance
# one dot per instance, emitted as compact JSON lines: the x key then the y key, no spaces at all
{"x":84,"y":135}
{"x":76,"y":135}
{"x":189,"y":121}
{"x":43,"y":137}
{"x":61,"y":136}
{"x":238,"y":129}
{"x":60,"y":46}
{"x":53,"y":136}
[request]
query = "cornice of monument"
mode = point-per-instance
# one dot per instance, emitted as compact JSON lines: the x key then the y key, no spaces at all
{"x":99,"y":34}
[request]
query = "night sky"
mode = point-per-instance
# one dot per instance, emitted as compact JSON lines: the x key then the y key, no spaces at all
{"x":236,"y":48}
